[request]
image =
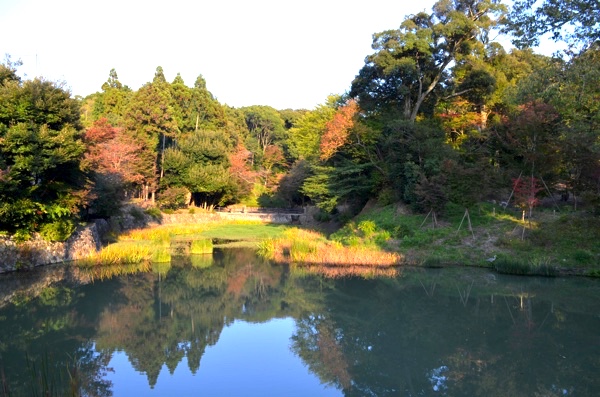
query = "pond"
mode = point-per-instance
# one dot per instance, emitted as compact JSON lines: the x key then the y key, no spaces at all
{"x":232,"y":324}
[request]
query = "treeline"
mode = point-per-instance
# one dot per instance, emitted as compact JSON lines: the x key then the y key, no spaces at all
{"x":439,"y":113}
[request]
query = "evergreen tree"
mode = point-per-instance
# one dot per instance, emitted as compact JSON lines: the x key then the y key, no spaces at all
{"x":43,"y":181}
{"x":410,"y":62}
{"x":149,"y":119}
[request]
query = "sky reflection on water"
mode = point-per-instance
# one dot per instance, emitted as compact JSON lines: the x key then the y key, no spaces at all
{"x":250,"y":359}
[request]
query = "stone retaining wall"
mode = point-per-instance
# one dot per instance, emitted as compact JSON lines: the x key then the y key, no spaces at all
{"x":269,"y":218}
{"x":168,"y":219}
{"x":177,"y":219}
{"x":37,"y":252}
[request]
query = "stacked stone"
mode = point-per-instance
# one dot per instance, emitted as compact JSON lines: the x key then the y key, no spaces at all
{"x":37,"y":251}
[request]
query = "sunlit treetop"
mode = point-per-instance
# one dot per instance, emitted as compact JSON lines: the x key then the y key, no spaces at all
{"x":576,"y":22}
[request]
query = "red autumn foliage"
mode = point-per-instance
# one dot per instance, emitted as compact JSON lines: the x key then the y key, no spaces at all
{"x":535,"y":114}
{"x":273,"y":156}
{"x":525,"y":191}
{"x":337,"y":130}
{"x":101,"y":131}
{"x":112,"y":152}
{"x":461,"y":119}
{"x":240,"y":164}
{"x":533,"y":130}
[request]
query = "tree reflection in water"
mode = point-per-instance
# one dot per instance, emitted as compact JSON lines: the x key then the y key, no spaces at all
{"x":456,"y":332}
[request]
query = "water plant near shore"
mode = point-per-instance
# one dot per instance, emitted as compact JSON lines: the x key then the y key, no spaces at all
{"x":118,"y":254}
{"x":162,"y":233}
{"x":103,"y":272}
{"x":533,"y":267}
{"x":161,"y":254}
{"x":310,"y":247}
{"x":201,"y":246}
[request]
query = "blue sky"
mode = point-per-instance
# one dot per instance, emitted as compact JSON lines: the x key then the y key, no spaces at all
{"x":286,"y":54}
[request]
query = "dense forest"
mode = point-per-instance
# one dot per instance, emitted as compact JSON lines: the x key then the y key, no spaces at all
{"x":439,"y":113}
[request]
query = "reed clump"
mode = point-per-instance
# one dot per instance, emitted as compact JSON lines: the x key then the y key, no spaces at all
{"x":118,"y":254}
{"x":161,"y":255}
{"x":103,"y":272}
{"x":309,"y":247}
{"x":161,"y":233}
{"x":201,"y":246}
{"x":533,"y":267}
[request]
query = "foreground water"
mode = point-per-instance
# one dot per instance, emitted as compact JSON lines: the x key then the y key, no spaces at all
{"x":235,"y":325}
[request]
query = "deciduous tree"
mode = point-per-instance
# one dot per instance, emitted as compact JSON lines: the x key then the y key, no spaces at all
{"x":337,"y":129}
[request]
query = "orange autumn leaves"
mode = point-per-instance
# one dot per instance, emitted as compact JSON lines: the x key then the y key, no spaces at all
{"x":112,"y":153}
{"x":338,"y":129}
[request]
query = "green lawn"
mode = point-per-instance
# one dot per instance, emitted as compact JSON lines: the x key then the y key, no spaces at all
{"x":243,"y":234}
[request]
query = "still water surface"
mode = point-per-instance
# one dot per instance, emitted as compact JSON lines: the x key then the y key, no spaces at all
{"x":235,"y":325}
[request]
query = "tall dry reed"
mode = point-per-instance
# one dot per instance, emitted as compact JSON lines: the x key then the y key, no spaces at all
{"x":309,"y":247}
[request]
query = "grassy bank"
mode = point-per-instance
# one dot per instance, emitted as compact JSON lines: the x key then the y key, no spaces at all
{"x":158,"y":244}
{"x":550,"y":243}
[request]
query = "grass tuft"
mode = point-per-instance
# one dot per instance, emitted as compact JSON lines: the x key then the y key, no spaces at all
{"x":118,"y":254}
{"x":533,"y":267}
{"x":309,"y":247}
{"x":161,"y":255}
{"x":201,"y":246}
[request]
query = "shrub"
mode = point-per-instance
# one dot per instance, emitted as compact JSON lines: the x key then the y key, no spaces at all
{"x":154,"y":213}
{"x":510,"y":266}
{"x":137,"y":213}
{"x":583,"y":256}
{"x":322,"y":216}
{"x":173,"y":198}
{"x":382,"y":237}
{"x":401,"y":231}
{"x":58,"y":230}
{"x":368,"y":228}
{"x":387,"y":196}
{"x":108,"y":193}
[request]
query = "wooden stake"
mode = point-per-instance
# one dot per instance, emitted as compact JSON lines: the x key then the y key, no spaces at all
{"x":461,"y":222}
{"x":550,"y":193}
{"x":424,"y":220}
{"x":466,"y":215}
{"x":513,"y":190}
{"x":470,"y":226}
